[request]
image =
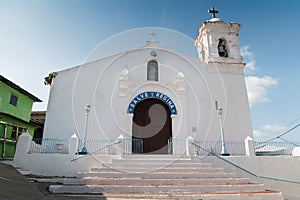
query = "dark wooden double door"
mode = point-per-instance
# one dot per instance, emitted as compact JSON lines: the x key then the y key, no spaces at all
{"x":152,"y":127}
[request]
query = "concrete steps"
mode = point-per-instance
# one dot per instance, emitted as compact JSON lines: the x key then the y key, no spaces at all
{"x":166,"y":169}
{"x":144,"y":181}
{"x":133,"y":181}
{"x":160,"y":176}
{"x":156,"y":189}
{"x":155,"y":174}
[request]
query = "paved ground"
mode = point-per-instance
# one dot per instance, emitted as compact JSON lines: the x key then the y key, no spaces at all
{"x":14,"y":186}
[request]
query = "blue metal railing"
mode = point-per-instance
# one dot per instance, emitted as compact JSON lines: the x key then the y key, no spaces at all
{"x":99,"y":146}
{"x":106,"y":144}
{"x":49,"y":145}
{"x":179,"y":146}
{"x":134,"y":146}
{"x":275,"y":147}
{"x":234,"y":148}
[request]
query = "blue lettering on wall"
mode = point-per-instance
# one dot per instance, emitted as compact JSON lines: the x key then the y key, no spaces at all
{"x":156,"y":95}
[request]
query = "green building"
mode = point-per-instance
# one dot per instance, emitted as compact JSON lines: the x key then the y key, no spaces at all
{"x":15,"y":111}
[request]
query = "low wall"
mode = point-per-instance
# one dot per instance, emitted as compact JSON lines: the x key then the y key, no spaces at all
{"x":269,"y":168}
{"x":278,"y":172}
{"x":55,"y":164}
{"x":61,"y":164}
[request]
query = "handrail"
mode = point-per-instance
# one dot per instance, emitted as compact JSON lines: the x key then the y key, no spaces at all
{"x":243,"y":169}
{"x":100,"y":149}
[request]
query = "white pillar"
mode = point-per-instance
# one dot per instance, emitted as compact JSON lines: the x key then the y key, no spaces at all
{"x":188,"y":145}
{"x":128,"y":142}
{"x":249,"y":146}
{"x":23,"y":147}
{"x":73,"y":144}
{"x":129,"y":125}
{"x":121,"y":145}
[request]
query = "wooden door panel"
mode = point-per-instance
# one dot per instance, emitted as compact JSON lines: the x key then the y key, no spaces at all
{"x":154,"y":128}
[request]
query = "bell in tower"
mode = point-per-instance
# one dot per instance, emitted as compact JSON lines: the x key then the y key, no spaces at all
{"x":222,"y":48}
{"x":218,"y":41}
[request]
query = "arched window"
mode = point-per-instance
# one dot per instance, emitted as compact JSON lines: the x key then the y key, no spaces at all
{"x":152,"y":71}
{"x":222,"y":51}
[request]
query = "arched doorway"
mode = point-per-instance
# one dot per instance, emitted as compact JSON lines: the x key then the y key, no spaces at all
{"x":151,"y":127}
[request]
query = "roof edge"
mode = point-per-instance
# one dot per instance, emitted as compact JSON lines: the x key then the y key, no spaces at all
{"x":18,"y":88}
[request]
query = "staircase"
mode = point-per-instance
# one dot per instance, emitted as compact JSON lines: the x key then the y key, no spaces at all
{"x":163,"y":177}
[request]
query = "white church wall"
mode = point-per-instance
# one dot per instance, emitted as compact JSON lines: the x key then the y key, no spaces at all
{"x":226,"y":84}
{"x":110,"y":84}
{"x":59,"y":121}
{"x":237,"y":121}
{"x":195,"y":100}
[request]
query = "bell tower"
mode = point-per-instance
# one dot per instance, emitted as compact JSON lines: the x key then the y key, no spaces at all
{"x":217,"y":41}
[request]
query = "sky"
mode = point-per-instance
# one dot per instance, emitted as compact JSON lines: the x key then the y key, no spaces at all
{"x":41,"y":36}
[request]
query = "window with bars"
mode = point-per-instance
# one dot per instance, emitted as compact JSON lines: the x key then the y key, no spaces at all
{"x":16,"y":132}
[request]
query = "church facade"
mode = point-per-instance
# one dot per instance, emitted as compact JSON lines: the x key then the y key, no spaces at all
{"x":153,"y":95}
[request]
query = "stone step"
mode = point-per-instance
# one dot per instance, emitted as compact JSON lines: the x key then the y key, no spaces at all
{"x":167,"y":161}
{"x":142,"y":189}
{"x":156,"y":175}
{"x":165,"y":169}
{"x":139,"y":181}
{"x":24,"y":172}
{"x":157,"y":165}
{"x":156,"y":156}
{"x":266,"y":195}
{"x":136,"y":181}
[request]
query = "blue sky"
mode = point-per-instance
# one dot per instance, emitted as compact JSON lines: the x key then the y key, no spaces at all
{"x":38,"y":37}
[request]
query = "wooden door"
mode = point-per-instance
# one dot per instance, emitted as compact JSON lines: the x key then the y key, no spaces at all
{"x":152,"y":127}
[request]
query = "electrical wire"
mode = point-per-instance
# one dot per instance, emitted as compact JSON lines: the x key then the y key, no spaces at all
{"x":289,"y":142}
{"x":284,"y":133}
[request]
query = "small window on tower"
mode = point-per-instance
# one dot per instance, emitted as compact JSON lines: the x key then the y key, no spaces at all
{"x":222,"y":48}
{"x":13,"y":100}
{"x":152,"y":71}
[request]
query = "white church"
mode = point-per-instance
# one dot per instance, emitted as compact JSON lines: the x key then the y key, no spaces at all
{"x":132,"y":123}
{"x":153,"y":95}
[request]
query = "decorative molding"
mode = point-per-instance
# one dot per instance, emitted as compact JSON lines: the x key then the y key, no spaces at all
{"x":180,"y":82}
{"x":123,"y":83}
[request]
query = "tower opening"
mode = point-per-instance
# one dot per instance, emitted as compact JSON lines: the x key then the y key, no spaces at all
{"x":222,"y":50}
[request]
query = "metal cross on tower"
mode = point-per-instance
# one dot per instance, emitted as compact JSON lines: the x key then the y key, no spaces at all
{"x":213,"y":12}
{"x":153,"y":35}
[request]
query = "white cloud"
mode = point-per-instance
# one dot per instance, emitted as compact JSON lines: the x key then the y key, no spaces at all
{"x":274,"y":128}
{"x":269,"y":130}
{"x":259,"y":134}
{"x":248,"y":58}
{"x":257,"y":88}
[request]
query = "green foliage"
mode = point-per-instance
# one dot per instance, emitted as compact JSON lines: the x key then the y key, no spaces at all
{"x":48,"y":80}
